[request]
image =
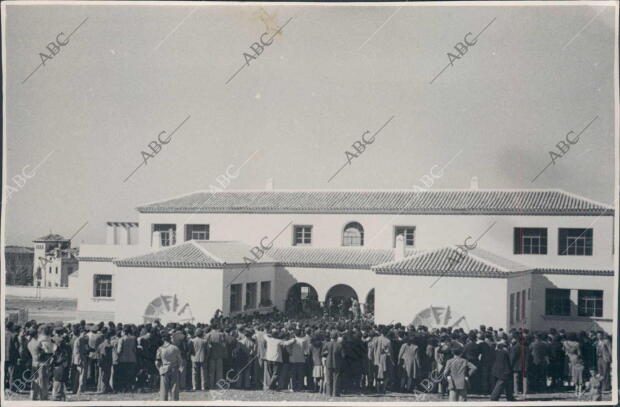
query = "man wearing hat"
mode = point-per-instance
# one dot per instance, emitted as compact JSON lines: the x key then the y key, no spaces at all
{"x":168,"y":360}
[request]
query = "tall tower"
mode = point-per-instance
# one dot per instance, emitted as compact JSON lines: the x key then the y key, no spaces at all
{"x":46,"y":250}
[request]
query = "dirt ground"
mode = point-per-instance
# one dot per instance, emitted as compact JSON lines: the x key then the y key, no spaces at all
{"x":283,"y":396}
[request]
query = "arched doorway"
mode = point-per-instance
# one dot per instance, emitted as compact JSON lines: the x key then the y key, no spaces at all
{"x":339,"y":300}
{"x":302,"y":299}
{"x":370,"y":302}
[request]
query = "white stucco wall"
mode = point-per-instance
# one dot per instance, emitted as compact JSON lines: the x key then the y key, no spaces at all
{"x":86,"y":302}
{"x":432,"y":231}
{"x":574,"y":282}
{"x":136,"y":287}
{"x":400,"y":298}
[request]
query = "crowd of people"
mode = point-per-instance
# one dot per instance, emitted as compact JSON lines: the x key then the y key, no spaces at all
{"x":333,"y":355}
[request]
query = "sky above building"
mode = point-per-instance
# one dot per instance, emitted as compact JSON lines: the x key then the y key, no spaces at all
{"x":331,"y":76}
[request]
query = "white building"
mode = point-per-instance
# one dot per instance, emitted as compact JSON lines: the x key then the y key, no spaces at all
{"x":503,"y":258}
{"x":54,"y":261}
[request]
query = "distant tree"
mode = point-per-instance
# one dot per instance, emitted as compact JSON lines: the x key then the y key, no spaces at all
{"x":18,"y":269}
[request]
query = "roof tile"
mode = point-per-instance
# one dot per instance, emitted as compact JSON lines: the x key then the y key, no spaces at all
{"x":524,"y":202}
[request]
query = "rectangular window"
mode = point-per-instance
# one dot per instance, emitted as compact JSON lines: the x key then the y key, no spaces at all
{"x":518,"y":313}
{"x":196,"y":232}
{"x":235,"y":297}
{"x":512,"y":308}
{"x":102,"y":284}
{"x":250,"y":296}
{"x":523,"y":305}
{"x":557,"y":302}
{"x":167,"y":233}
{"x":265,"y":293}
{"x":408,"y":233}
{"x":49,"y":270}
{"x":530,"y":241}
{"x":590,"y":303}
{"x":302,"y":235}
{"x":575,"y":242}
{"x":56,"y":270}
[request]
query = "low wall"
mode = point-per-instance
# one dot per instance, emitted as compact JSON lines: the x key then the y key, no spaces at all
{"x":40,"y":292}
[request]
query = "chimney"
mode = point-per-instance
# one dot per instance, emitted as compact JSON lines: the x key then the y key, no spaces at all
{"x":125,"y":236}
{"x":473,"y":184}
{"x":269,"y":184}
{"x":110,"y":233}
{"x":156,"y":244}
{"x":399,"y":248}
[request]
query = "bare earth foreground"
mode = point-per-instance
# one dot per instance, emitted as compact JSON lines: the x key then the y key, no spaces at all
{"x":258,"y":395}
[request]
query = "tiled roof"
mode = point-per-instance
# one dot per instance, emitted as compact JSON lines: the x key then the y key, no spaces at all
{"x":451,"y":262}
{"x":183,"y":256}
{"x":342,"y":257}
{"x":574,"y":272}
{"x":495,"y":202}
{"x":195,"y":254}
{"x":231,"y":252}
{"x":52,"y":237}
{"x":95,"y":259}
{"x":127,"y":224}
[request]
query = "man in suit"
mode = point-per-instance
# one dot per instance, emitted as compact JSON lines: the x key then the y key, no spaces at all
{"x":540,"y":359}
{"x":333,"y":353}
{"x":262,"y":378}
{"x":502,"y":372}
{"x":127,"y":348}
{"x":179,"y":339}
{"x":80,"y":359}
{"x":603,"y":359}
{"x":95,"y":337}
{"x":298,"y":351}
{"x":168,"y":360}
{"x":472,"y":352}
{"x":198,"y":350}
{"x":380,"y":351}
{"x":216,"y":341}
{"x":457,"y":372}
{"x":519,"y":360}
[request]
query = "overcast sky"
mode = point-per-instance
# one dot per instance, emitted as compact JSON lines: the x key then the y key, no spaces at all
{"x":130,"y":72}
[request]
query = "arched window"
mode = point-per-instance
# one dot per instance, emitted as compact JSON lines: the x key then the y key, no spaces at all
{"x":353,"y":235}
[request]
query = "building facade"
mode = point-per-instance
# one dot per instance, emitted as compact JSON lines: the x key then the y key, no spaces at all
{"x":537,"y":258}
{"x":54,"y":261}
